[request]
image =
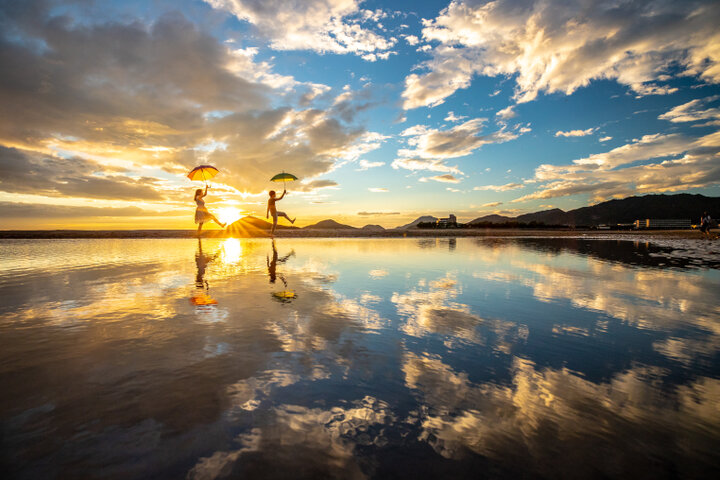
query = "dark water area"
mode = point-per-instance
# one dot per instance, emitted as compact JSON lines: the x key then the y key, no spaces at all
{"x":369,"y":358}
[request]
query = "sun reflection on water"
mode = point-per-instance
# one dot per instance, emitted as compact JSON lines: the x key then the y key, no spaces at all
{"x":231,"y":251}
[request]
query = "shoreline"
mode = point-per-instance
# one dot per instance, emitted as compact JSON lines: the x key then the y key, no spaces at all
{"x":347,"y":233}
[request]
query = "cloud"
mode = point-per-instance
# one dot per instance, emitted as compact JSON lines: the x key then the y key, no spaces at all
{"x":378,"y":189}
{"x":314,"y":185}
{"x":693,"y":111}
{"x":575,"y":133}
{"x":41,"y":174}
{"x":139,"y":98}
{"x":432,"y":146}
{"x":555,"y":46}
{"x":376,"y":214}
{"x":38,"y":210}
{"x":365,"y":165}
{"x":335,"y":26}
{"x":412,"y":39}
{"x":605,"y":139}
{"x":651,"y":164}
{"x":451,"y":117}
{"x":491,"y":204}
{"x":500,"y":188}
{"x":446,"y":178}
{"x":506,"y":113}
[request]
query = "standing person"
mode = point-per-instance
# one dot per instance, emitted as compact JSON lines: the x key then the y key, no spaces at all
{"x":705,"y":221}
{"x":201,"y":212}
{"x":272,"y":210}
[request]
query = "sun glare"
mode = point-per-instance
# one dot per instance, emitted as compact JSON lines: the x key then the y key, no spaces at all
{"x":231,"y":251}
{"x":228,"y":215}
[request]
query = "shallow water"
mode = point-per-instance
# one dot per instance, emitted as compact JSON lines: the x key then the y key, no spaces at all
{"x":410,"y":358}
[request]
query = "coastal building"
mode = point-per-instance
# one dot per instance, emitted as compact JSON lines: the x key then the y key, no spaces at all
{"x":660,"y":224}
{"x":449,"y":222}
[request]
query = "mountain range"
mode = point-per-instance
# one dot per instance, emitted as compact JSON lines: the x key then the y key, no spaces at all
{"x":626,"y":210}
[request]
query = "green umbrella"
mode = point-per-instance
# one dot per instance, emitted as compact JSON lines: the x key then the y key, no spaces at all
{"x":283,"y":177}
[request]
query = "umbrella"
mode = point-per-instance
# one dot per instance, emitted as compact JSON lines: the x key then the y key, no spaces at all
{"x":283,"y":177}
{"x":203,"y":173}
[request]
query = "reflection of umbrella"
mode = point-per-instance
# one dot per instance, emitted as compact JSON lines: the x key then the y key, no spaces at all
{"x":202,"y":298}
{"x":283,"y":177}
{"x":203,"y":173}
{"x":284,"y":296}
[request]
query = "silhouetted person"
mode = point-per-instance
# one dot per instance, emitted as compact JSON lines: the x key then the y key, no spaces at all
{"x":272,"y":264}
{"x":705,"y":222}
{"x":271,"y":209}
{"x":202,"y":214}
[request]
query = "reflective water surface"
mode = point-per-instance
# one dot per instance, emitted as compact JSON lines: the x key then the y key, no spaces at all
{"x":400,"y":358}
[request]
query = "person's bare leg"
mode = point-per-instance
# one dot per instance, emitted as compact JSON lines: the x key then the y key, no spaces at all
{"x":288,"y":218}
{"x":272,"y":232}
{"x":199,"y":227}
{"x":222,"y":225}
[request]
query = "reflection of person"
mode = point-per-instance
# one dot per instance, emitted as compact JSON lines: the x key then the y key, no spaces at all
{"x":201,"y":261}
{"x":272,"y":210}
{"x":272,"y":265}
{"x":201,"y":212}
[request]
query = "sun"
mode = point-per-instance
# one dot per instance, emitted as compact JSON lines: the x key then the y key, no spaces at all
{"x":228,"y":215}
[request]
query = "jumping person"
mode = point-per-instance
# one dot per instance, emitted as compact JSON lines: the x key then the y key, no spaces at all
{"x":201,"y":212}
{"x":272,"y":210}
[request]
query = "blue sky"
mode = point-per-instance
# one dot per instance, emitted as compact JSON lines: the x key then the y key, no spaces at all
{"x":385,"y":110}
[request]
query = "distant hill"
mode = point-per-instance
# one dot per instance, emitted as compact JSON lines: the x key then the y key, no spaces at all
{"x":329,"y":225}
{"x":372,"y":228}
{"x":548,"y":217}
{"x":414,"y":223}
{"x":492,"y":219}
{"x":627,"y":210}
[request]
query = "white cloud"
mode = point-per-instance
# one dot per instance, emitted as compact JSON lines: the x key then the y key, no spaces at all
{"x":337,"y":26}
{"x":491,"y":204}
{"x":365,"y":165}
{"x":507,"y":113}
{"x":430,"y":147}
{"x":451,"y":117}
{"x":378,"y":189}
{"x":693,"y":111}
{"x":651,"y":164}
{"x":412,"y":39}
{"x":605,"y":139}
{"x":575,"y":133}
{"x":445,"y":178}
{"x":500,"y":188}
{"x":558,"y":46}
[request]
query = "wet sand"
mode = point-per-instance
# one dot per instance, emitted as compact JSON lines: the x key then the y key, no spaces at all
{"x":359,"y":233}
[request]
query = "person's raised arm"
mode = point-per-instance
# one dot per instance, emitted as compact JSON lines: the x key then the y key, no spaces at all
{"x":206,"y":187}
{"x":281,"y":196}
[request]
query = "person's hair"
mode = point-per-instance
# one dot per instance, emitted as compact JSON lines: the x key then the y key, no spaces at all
{"x":271,"y":193}
{"x":198,"y":192}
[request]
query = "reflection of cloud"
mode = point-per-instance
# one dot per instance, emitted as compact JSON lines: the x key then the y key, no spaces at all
{"x":433,"y":311}
{"x":301,"y":439}
{"x":534,"y":417}
{"x":378,"y":273}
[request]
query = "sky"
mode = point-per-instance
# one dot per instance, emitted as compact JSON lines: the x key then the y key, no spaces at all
{"x":385,"y":111}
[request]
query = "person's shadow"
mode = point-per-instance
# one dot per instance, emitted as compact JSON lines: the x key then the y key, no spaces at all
{"x":202,"y":292}
{"x":285,"y":295}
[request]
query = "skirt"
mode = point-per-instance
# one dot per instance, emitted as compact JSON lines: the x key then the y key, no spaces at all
{"x":202,"y":215}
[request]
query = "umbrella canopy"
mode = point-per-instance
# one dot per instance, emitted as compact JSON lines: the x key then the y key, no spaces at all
{"x":203,"y":173}
{"x":283,"y":177}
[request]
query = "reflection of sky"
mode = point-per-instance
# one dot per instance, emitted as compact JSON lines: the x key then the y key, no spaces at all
{"x":492,"y":350}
